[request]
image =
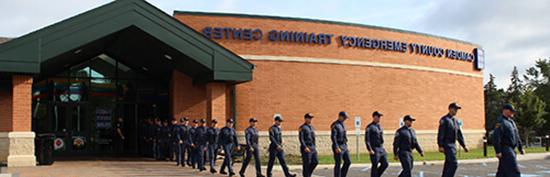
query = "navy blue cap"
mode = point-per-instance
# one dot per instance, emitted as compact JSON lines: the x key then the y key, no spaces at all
{"x":185,"y":119}
{"x":196,"y":121}
{"x":253,"y":120}
{"x":376,"y":113}
{"x":278,"y":118}
{"x":509,"y":107}
{"x":214,"y":121}
{"x":203,"y":120}
{"x":343,"y":114}
{"x":229,"y":121}
{"x":454,"y":105}
{"x":408,"y":117}
{"x":308,"y":116}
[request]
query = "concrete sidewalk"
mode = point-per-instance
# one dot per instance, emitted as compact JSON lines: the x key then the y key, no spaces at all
{"x":533,"y":156}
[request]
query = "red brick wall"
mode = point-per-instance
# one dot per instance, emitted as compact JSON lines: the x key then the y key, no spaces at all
{"x":187,"y":99}
{"x":217,"y":101}
{"x":15,"y":104}
{"x":326,"y":89}
{"x":294,"y":88}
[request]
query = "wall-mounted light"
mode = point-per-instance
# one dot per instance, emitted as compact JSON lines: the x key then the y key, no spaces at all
{"x":167,"y":57}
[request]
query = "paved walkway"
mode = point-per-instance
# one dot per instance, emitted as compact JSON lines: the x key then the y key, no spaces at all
{"x":136,"y":167}
{"x":121,"y":168}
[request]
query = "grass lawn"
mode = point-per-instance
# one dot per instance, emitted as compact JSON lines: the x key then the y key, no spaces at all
{"x":428,"y":156}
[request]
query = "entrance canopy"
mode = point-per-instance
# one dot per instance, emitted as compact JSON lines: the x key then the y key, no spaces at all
{"x":132,"y":31}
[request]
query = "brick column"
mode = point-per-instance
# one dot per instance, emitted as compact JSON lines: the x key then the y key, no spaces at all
{"x":16,"y":137}
{"x":216,"y":95}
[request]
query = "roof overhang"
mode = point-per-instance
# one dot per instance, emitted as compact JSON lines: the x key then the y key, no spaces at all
{"x":133,"y":31}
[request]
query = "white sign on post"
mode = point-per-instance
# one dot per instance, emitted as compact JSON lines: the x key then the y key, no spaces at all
{"x":357,"y":122}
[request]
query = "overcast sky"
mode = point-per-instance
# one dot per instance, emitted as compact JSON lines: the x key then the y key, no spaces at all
{"x":512,"y":32}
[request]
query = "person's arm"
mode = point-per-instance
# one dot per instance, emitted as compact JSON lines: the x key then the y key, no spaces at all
{"x":367,"y":139}
{"x":418,"y":148}
{"x":520,"y":144}
{"x":301,"y":136}
{"x":396,"y":143}
{"x":497,"y":138}
{"x":248,"y":137}
{"x":272,"y":133}
{"x":334,"y":135}
{"x":441,"y":133}
{"x":461,"y":141}
{"x":217,"y":137}
{"x":178,"y":135}
{"x":191,"y":136}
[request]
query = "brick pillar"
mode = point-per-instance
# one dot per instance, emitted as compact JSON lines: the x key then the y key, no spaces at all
{"x":216,"y":95}
{"x":16,"y":137}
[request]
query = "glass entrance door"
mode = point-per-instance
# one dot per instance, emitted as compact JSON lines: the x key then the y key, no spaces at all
{"x":82,"y":106}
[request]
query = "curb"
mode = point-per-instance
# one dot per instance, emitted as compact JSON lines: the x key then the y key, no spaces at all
{"x":533,"y":156}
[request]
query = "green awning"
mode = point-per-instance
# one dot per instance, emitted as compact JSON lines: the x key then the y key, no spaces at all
{"x":133,"y":31}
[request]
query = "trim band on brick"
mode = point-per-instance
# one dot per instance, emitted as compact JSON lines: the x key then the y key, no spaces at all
{"x":356,"y":63}
{"x":17,"y":135}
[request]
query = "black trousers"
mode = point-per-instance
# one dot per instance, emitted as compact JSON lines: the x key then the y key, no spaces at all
{"x":252,"y":151}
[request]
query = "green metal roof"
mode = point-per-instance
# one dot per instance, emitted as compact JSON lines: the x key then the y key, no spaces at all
{"x":27,"y":54}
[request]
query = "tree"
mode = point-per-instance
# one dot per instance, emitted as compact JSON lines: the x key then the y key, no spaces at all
{"x":514,"y":90}
{"x":538,"y":78}
{"x":530,"y":114}
{"x":494,"y":99}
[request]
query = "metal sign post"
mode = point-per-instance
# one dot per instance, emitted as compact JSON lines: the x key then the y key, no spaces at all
{"x":357,"y":134}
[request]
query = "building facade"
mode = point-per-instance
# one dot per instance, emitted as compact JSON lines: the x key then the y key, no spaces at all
{"x":129,"y":60}
{"x":323,"y":67}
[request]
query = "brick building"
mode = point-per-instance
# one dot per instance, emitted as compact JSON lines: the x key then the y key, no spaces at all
{"x":128,"y":59}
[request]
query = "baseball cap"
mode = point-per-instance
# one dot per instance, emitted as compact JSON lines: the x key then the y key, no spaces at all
{"x":454,"y":105}
{"x":278,"y":118}
{"x":376,"y":113}
{"x":308,"y":115}
{"x":408,"y":117}
{"x":253,"y":120}
{"x":509,"y":107}
{"x":343,"y":114}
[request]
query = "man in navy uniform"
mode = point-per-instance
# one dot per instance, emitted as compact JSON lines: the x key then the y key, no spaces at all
{"x":157,"y":139}
{"x":228,"y":140}
{"x":174,"y":142}
{"x":252,"y":136}
{"x":181,"y":132}
{"x":340,"y":145}
{"x":447,"y":135}
{"x":193,"y":146}
{"x":213,"y":147}
{"x":166,"y":140}
{"x":186,"y":151}
{"x":276,"y":148}
{"x":505,"y":140}
{"x":403,"y":144}
{"x":201,"y":143}
{"x":307,"y":146}
{"x":374,"y":139}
